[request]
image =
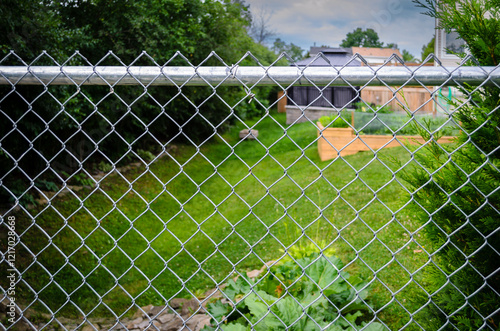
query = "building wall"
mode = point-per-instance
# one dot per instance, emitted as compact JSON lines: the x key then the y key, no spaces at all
{"x":378,"y":61}
{"x":377,"y":56}
{"x":307,"y":114}
{"x":447,"y":60}
{"x":338,"y":96}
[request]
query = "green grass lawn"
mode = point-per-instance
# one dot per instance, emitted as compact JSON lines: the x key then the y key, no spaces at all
{"x":198,"y":216}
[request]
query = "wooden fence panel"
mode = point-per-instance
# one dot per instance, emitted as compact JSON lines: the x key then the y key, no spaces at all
{"x":415,"y":97}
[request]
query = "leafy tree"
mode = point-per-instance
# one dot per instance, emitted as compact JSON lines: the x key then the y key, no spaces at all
{"x":428,"y":49}
{"x":30,"y":27}
{"x":408,"y":57}
{"x":362,"y":38}
{"x":459,"y":202}
{"x":161,"y":28}
{"x":292,"y":50}
{"x":392,"y":45}
{"x":191,"y":27}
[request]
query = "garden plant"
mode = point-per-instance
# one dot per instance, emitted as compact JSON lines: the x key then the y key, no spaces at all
{"x":304,"y":291}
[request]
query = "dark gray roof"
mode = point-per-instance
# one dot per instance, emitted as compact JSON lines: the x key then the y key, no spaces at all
{"x":337,"y":57}
{"x":315,"y":50}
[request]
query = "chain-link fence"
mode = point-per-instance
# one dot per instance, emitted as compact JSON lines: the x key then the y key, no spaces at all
{"x":166,"y":197}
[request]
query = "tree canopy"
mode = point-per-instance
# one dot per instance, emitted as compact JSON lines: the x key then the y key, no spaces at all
{"x":159,"y":27}
{"x":370,"y":38}
{"x":408,"y":57}
{"x":172,"y":32}
{"x":292,"y":50}
{"x":362,"y":38}
{"x":428,"y":49}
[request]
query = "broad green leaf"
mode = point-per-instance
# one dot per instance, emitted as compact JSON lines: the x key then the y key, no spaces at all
{"x":322,"y":272}
{"x":339,"y":289}
{"x":269,"y":299}
{"x":258,"y":309}
{"x":218,"y":310}
{"x":241,"y":286}
{"x":256,"y":306}
{"x":352,"y":317}
{"x":287,"y":310}
{"x":270,"y":322}
{"x":374,"y":327}
{"x":234,"y":327}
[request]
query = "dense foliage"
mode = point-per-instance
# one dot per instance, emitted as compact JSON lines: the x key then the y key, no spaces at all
{"x":335,"y":121}
{"x":307,"y":292}
{"x":180,"y":32}
{"x":362,"y":38}
{"x":370,"y":38}
{"x":459,"y":202}
{"x":293,"y":51}
{"x":428,"y":49}
{"x":408,"y":57}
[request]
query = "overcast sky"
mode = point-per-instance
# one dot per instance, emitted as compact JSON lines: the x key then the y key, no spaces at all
{"x":326,"y":22}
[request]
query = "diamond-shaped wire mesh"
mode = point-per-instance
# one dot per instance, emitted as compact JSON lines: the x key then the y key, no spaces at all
{"x":170,"y":197}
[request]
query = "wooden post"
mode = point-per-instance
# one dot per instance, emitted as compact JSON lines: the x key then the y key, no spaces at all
{"x":281,"y":102}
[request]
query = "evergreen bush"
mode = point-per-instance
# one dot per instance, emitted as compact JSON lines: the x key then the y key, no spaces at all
{"x":456,"y":188}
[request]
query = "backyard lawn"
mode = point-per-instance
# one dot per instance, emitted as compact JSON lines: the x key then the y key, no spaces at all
{"x":196,"y":217}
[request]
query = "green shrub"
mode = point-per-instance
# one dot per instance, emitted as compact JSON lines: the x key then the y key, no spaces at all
{"x":460,"y":209}
{"x":79,"y":178}
{"x":147,"y":156}
{"x":334,"y":121}
{"x":456,"y":188}
{"x":365,"y":108}
{"x":297,"y":294}
{"x":104,"y":166}
{"x":47,"y":185}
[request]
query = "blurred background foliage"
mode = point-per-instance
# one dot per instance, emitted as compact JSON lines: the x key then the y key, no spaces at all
{"x":92,"y":124}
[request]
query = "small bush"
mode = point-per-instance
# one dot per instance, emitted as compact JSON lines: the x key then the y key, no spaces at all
{"x":145,"y":155}
{"x":104,"y":166}
{"x":334,"y":121}
{"x":364,"y":108}
{"x":79,"y":179}
{"x":297,"y":294}
{"x":46,"y":185}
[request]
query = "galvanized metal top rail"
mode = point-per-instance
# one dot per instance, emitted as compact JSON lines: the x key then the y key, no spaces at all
{"x":251,"y":76}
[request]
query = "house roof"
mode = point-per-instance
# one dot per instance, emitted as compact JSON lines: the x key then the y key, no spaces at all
{"x":315,"y":50}
{"x":376,"y":52}
{"x":337,"y":57}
